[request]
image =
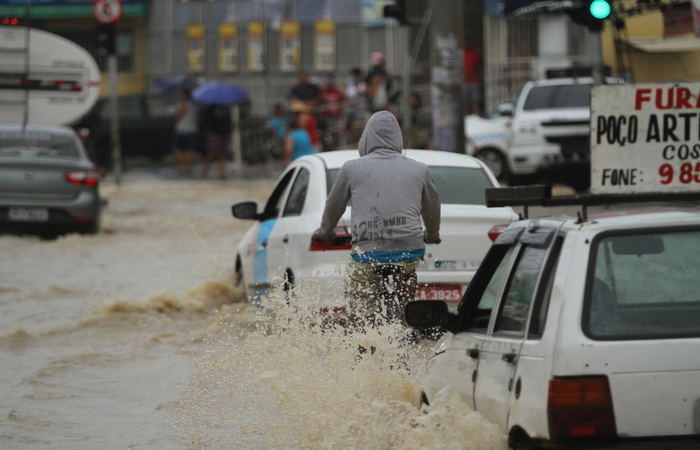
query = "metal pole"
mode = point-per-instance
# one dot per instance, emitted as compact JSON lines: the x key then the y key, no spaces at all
{"x":597,"y":58}
{"x":236,"y":138}
{"x":114,"y":109}
{"x":447,"y":35}
{"x":406,"y":84}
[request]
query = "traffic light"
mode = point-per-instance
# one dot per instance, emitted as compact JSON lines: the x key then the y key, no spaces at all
{"x":600,"y":9}
{"x":106,"y":38}
{"x":397,"y":11}
{"x":592,"y":14}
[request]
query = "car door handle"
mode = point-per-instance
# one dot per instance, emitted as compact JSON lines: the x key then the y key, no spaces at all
{"x":510,"y":357}
{"x":473,"y":352}
{"x":285,"y":239}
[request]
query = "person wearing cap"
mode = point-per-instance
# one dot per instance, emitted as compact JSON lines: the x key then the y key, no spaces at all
{"x":306,"y":120}
{"x":305,"y":91}
{"x":390,"y":193}
{"x":377,"y":61}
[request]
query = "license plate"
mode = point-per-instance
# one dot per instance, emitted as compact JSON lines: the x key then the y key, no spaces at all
{"x":29,"y":214}
{"x":446,"y":292}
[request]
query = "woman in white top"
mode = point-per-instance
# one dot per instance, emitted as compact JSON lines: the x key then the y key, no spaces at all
{"x":185,"y":138}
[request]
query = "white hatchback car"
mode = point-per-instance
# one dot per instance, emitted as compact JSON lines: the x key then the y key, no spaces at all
{"x":581,"y":332}
{"x":279,"y":248}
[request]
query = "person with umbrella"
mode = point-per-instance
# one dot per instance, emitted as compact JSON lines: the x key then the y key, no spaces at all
{"x":218,"y":125}
{"x":218,"y":96}
{"x":185,"y":138}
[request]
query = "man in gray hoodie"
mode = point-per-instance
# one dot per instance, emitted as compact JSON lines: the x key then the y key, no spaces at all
{"x":390,"y":193}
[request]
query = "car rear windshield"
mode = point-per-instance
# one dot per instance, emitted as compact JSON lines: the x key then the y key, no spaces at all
{"x":456,"y":185}
{"x":558,"y":97}
{"x":32,"y":144}
{"x":644,"y":286}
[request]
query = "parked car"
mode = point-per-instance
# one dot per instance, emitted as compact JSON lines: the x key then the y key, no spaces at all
{"x":279,"y":247}
{"x":47,"y":182}
{"x":146,"y":125}
{"x":488,"y":137}
{"x":550,"y":132}
{"x":580,"y":332}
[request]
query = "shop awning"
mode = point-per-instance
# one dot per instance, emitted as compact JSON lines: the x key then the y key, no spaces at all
{"x":686,"y":43}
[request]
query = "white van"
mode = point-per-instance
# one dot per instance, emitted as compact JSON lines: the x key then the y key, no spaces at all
{"x":580,"y":332}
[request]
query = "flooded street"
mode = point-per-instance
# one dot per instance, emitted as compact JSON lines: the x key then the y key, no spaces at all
{"x":137,"y":338}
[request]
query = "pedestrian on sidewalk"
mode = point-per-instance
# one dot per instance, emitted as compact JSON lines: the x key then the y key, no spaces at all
{"x":297,"y":143}
{"x":218,"y":122}
{"x":185,"y":138}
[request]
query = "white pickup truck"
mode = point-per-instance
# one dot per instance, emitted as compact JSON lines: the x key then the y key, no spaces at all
{"x":580,"y":332}
{"x":547,"y":137}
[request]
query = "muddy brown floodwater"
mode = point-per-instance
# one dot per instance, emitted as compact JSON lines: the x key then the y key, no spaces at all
{"x":137,"y":338}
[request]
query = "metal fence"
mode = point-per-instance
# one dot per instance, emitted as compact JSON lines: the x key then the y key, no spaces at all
{"x":167,"y":54}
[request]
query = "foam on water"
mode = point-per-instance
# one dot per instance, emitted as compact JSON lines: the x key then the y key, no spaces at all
{"x":294,"y":381}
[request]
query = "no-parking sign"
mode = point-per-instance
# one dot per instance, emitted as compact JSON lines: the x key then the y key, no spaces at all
{"x":107,"y":11}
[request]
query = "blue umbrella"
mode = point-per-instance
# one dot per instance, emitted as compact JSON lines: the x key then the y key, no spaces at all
{"x":219,"y":93}
{"x":172,"y":84}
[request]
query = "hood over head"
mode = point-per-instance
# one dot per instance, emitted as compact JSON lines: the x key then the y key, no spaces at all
{"x":381,"y":132}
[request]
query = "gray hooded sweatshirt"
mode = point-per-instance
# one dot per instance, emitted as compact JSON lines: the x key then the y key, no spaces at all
{"x":390,"y":192}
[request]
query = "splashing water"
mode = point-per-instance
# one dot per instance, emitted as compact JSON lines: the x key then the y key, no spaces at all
{"x":295,"y":380}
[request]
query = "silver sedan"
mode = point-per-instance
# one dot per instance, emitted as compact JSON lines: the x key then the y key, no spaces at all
{"x":47,"y":182}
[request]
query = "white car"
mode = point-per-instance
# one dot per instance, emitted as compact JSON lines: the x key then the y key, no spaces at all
{"x":278,"y":247}
{"x":488,"y":139}
{"x":581,"y":332}
{"x":550,"y":131}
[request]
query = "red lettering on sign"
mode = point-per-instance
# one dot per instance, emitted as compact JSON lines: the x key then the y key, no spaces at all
{"x":682,"y":98}
{"x":659,"y":98}
{"x":642,"y":95}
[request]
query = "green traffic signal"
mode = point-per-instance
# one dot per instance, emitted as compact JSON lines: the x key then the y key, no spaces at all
{"x":600,"y":9}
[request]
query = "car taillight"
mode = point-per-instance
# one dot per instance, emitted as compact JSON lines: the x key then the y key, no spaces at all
{"x":580,"y":407}
{"x":496,"y":231}
{"x":83,"y":177}
{"x":341,"y":241}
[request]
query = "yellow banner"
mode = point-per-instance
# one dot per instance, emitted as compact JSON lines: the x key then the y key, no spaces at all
{"x":325,"y":27}
{"x":256,"y":29}
{"x":228,"y":30}
{"x":290,"y":29}
{"x":195,"y":31}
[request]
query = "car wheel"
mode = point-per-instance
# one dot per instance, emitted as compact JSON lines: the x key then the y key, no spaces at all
{"x":495,"y":161}
{"x":240,"y":280}
{"x":92,"y":228}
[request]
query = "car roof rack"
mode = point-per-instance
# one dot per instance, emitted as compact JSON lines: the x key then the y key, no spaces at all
{"x":541,"y":195}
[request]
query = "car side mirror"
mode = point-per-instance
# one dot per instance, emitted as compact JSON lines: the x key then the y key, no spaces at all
{"x":245,"y":210}
{"x":505,"y":109}
{"x":428,"y":314}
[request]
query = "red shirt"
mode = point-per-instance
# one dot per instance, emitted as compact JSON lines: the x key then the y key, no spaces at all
{"x":332,"y":98}
{"x":312,"y":129}
{"x":472,"y":65}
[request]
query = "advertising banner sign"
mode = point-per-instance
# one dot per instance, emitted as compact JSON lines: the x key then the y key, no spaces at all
{"x":325,"y":46}
{"x":228,"y":47}
{"x":256,"y":46}
{"x":290,"y":46}
{"x":196,"y":47}
{"x":645,"y":138}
